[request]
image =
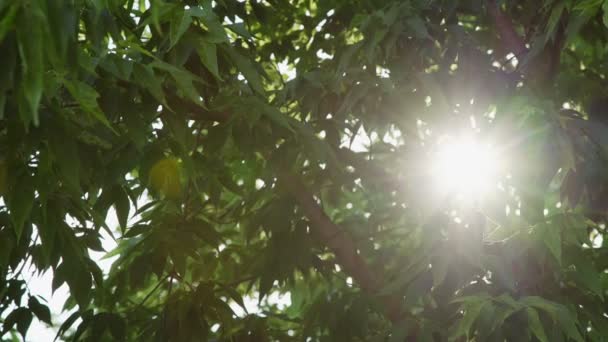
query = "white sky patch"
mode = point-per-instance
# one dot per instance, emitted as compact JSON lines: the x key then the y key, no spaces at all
{"x":323,"y":55}
{"x":320,"y":25}
{"x":259,"y":183}
{"x":382,"y":72}
{"x":359,"y":142}
{"x":111,"y":44}
{"x":598,"y":241}
{"x":281,"y":300}
{"x":286,"y":70}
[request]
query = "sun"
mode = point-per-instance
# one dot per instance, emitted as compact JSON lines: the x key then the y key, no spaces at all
{"x":465,"y":167}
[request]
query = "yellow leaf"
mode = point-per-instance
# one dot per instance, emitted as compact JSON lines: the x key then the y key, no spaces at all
{"x":165,"y":177}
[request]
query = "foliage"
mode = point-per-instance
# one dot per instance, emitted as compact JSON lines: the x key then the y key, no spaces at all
{"x":254,"y":148}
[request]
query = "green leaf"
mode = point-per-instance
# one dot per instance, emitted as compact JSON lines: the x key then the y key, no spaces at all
{"x":508,"y":300}
{"x":586,"y":275}
{"x":80,"y":283}
{"x":556,"y":14}
{"x":87,"y":96}
{"x":587,"y":5}
{"x":577,"y":20}
{"x":23,"y":324}
{"x":65,"y":153}
{"x":137,"y":230}
{"x":540,"y":303}
{"x":179,"y":25}
{"x":215,"y":31}
{"x":31,"y":50}
{"x":240,"y":29}
{"x":535,"y":325}
{"x":487,"y":318}
{"x":113,"y":322}
{"x":471,"y":313}
{"x":8,"y":19}
{"x":41,"y":311}
{"x":67,"y":324}
{"x":207,"y":52}
{"x":118,"y":327}
{"x":158,"y":9}
{"x":74,"y":268}
{"x":552,"y":238}
{"x":122,"y":207}
{"x":247,"y":68}
{"x":184,"y":80}
{"x":605,"y":15}
{"x":144,"y":76}
{"x":22,"y":317}
{"x":83,"y":327}
{"x":501,"y":314}
{"x":567,"y":322}
{"x":276,"y":116}
{"x":117,"y":66}
{"x":20,"y":203}
{"x":7,"y":243}
{"x":236,"y":296}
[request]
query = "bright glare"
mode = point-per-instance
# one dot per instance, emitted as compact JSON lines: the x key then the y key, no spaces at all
{"x":465,"y":168}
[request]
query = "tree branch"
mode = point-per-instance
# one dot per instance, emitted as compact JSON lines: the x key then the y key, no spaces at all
{"x":340,"y":243}
{"x":506,"y":30}
{"x":322,"y":227}
{"x":546,"y":64}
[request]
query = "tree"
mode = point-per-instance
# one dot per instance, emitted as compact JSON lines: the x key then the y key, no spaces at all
{"x":255,"y":148}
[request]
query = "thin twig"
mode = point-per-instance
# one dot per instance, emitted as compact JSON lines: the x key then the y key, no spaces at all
{"x":160,"y":282}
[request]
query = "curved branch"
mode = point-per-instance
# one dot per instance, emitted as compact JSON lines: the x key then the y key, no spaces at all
{"x":326,"y":231}
{"x":335,"y":238}
{"x":341,"y":244}
{"x":506,"y":30}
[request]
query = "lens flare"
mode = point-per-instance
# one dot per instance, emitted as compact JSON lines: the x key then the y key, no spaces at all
{"x":465,"y":168}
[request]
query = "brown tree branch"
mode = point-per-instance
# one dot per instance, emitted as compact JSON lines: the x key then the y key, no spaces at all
{"x":323,"y":229}
{"x":506,"y":30}
{"x":333,"y":236}
{"x":340,"y":243}
{"x":545,"y":66}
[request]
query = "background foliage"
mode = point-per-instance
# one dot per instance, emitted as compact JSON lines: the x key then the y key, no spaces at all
{"x":250,"y":148}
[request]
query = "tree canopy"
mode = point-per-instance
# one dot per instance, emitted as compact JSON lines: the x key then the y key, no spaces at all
{"x":257,"y":148}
